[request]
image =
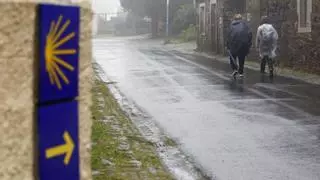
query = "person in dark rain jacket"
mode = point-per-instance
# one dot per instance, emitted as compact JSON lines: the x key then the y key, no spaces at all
{"x":239,"y":42}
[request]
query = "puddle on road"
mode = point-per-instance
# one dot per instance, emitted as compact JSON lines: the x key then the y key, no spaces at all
{"x":173,"y":63}
{"x":267,"y":107}
{"x":142,"y":73}
{"x":198,"y":80}
{"x":153,"y":82}
{"x":163,"y":96}
{"x":274,"y":93}
{"x":218,"y":93}
{"x":192,"y":70}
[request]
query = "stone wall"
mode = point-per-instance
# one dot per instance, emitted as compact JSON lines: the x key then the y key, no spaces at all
{"x":17,"y":90}
{"x":221,"y":26}
{"x":85,"y":84}
{"x":204,"y":41}
{"x":254,"y":14}
{"x":199,"y":41}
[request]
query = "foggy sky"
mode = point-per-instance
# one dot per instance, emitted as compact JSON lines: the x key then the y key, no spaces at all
{"x":105,"y":6}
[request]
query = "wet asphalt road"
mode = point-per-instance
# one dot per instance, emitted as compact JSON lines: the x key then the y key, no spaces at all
{"x":250,"y":129}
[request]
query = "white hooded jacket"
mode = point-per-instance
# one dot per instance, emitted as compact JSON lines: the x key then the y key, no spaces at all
{"x":266,"y":49}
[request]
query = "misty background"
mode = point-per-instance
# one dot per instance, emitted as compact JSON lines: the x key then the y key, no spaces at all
{"x":134,"y":17}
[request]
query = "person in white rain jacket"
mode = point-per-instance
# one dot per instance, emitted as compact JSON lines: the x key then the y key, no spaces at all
{"x":266,"y":43}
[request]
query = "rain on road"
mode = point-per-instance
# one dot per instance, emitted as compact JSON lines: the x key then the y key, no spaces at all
{"x":250,"y":129}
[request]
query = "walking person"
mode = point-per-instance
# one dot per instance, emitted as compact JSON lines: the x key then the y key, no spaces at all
{"x":239,"y":42}
{"x":266,"y":43}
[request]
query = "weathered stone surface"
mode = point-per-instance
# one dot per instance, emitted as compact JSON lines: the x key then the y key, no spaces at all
{"x":16,"y":90}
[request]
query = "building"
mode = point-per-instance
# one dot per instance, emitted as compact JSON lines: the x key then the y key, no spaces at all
{"x":297,"y":22}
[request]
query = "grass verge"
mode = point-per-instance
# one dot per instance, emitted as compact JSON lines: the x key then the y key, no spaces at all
{"x":118,"y":150}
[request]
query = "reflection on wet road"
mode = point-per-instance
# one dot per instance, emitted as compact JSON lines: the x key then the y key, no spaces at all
{"x":246,"y":129}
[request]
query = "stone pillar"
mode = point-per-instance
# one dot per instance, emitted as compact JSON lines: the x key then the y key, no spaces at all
{"x":254,"y":17}
{"x":17,"y":90}
{"x":221,"y":26}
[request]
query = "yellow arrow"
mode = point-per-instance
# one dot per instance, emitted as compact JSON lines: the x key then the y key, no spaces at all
{"x":66,"y":149}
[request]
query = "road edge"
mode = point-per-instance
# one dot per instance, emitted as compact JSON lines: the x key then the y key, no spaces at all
{"x":169,"y":153}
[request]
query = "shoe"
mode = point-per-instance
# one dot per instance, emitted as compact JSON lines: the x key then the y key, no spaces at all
{"x":271,"y":73}
{"x":234,"y":73}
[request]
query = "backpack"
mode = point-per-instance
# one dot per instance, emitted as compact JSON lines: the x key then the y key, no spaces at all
{"x":267,"y":37}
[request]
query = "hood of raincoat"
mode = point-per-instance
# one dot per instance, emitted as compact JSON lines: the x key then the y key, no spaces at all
{"x":239,"y":37}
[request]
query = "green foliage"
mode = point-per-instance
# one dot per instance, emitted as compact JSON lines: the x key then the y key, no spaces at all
{"x":188,"y":34}
{"x":156,"y":10}
{"x":144,"y":7}
{"x":184,"y":16}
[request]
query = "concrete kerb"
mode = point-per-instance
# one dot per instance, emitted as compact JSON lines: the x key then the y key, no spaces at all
{"x":186,"y":48}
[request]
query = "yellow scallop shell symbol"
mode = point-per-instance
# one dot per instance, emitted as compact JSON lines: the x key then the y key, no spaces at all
{"x":54,"y":62}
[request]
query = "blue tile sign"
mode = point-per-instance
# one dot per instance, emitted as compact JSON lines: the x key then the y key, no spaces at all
{"x":57,"y":109}
{"x":58,"y":52}
{"x":58,"y":141}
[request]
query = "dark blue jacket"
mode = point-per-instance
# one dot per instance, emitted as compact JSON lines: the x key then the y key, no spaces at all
{"x":239,"y":40}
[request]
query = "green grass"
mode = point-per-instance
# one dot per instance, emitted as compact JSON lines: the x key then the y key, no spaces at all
{"x":106,"y":140}
{"x":186,"y":35}
{"x":169,"y":142}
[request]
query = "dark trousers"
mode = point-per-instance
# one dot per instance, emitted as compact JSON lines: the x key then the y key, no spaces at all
{"x":264,"y":61}
{"x":241,"y":58}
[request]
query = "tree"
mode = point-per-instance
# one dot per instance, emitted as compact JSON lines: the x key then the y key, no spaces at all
{"x":155,"y":9}
{"x":175,"y":5}
{"x":183,"y":18}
